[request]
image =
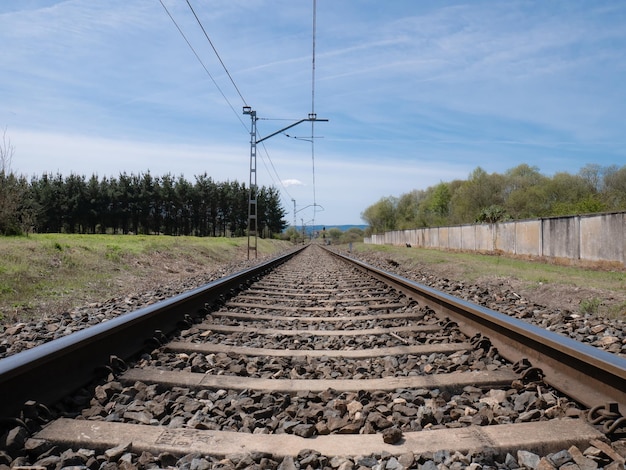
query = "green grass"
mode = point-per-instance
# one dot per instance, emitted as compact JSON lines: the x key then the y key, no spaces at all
{"x":51,"y":272}
{"x":45,"y":270}
{"x":590,"y":306}
{"x":534,"y":275}
{"x":617,"y":310}
{"x":473,"y":266}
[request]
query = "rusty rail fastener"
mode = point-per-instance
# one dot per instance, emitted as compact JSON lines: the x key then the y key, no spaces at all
{"x":608,"y":415}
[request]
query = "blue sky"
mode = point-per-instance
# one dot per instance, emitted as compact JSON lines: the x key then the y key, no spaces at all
{"x":416,"y":92}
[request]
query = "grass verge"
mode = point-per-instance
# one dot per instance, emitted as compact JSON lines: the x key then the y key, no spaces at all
{"x":588,"y":290}
{"x":49,"y":272}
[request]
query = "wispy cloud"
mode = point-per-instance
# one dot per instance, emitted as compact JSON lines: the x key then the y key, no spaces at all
{"x":292,"y":182}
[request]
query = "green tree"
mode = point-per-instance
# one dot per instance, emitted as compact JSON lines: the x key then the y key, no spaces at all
{"x":523,"y":192}
{"x":147,"y":204}
{"x":49,"y":198}
{"x":95,"y":205}
{"x":334,"y":234}
{"x":492,"y":214}
{"x":440,"y":202}
{"x":352,"y":235}
{"x":480,"y":191}
{"x":407,"y":209}
{"x":106,"y":219}
{"x":123,"y":202}
{"x":169,"y":204}
{"x":382,"y":215}
{"x":184,"y":191}
{"x":14,"y":204}
{"x":272,"y":212}
{"x":76,"y":205}
{"x":239,"y":213}
{"x":614,"y":193}
{"x":593,"y":173}
{"x":292,"y":234}
{"x":227,"y":201}
{"x":205,"y":190}
{"x":435,"y":206}
{"x":564,"y":192}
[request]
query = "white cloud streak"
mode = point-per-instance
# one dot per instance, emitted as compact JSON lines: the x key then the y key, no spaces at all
{"x":292,"y":182}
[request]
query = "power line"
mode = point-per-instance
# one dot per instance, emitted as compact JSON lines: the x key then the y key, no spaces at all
{"x":243,"y":99}
{"x":232,"y":81}
{"x":202,"y":64}
{"x":217,"y":54}
{"x":275,"y":171}
{"x":313,"y":104}
{"x":313,"y":60}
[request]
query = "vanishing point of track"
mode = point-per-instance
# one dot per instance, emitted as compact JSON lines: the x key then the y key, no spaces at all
{"x":311,"y":351}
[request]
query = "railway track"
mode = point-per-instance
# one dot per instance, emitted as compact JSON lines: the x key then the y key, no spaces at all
{"x":313,"y":360}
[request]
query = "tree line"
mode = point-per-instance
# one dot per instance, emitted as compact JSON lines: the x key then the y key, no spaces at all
{"x":140,"y":204}
{"x":519,"y":193}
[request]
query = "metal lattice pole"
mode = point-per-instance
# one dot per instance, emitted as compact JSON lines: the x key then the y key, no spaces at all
{"x":252,"y":190}
{"x":252,"y":207}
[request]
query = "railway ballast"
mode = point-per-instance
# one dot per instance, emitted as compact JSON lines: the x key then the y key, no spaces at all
{"x":314,"y":361}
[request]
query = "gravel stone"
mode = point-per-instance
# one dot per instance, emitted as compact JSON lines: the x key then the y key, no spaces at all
{"x":528,"y":459}
{"x":310,"y":414}
{"x":16,"y":438}
{"x":428,"y":465}
{"x":392,"y":435}
{"x":583,"y":462}
{"x":5,"y":459}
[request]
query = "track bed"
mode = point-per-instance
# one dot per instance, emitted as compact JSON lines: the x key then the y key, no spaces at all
{"x":320,"y":364}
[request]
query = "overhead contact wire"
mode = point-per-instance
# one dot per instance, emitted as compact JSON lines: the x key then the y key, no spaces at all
{"x":217,"y":54}
{"x":202,"y":64}
{"x":222,"y":93}
{"x":313,"y":106}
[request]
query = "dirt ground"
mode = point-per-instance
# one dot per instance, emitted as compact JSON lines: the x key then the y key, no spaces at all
{"x":566,"y":297}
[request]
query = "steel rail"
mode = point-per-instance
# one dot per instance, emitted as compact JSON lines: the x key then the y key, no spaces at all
{"x":590,"y":376}
{"x":48,"y":372}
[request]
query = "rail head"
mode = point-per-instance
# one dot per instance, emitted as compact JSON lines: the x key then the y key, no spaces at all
{"x":591,"y":376}
{"x":50,"y":371}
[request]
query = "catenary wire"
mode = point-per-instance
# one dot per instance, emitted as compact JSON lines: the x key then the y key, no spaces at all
{"x":202,"y":64}
{"x":206,"y":35}
{"x":282,"y":186}
{"x":313,"y":105}
{"x":280,"y":181}
{"x":217,"y":54}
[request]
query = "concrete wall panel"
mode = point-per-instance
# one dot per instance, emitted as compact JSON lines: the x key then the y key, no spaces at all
{"x":454,"y":238}
{"x":561,"y":237}
{"x":504,"y":235}
{"x":484,"y":238}
{"x":443,"y":234}
{"x":433,"y":237}
{"x":468,"y":237}
{"x":602,"y":237}
{"x":528,"y":237}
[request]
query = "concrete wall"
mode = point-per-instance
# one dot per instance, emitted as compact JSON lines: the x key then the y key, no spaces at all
{"x":602,"y":237}
{"x":485,"y":237}
{"x":589,"y":238}
{"x":468,"y":237}
{"x":505,"y":237}
{"x":528,"y":238}
{"x":561,"y":237}
{"x":454,"y":238}
{"x":443,"y":236}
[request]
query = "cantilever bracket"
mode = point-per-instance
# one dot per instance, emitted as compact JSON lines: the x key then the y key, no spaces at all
{"x":311,"y":118}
